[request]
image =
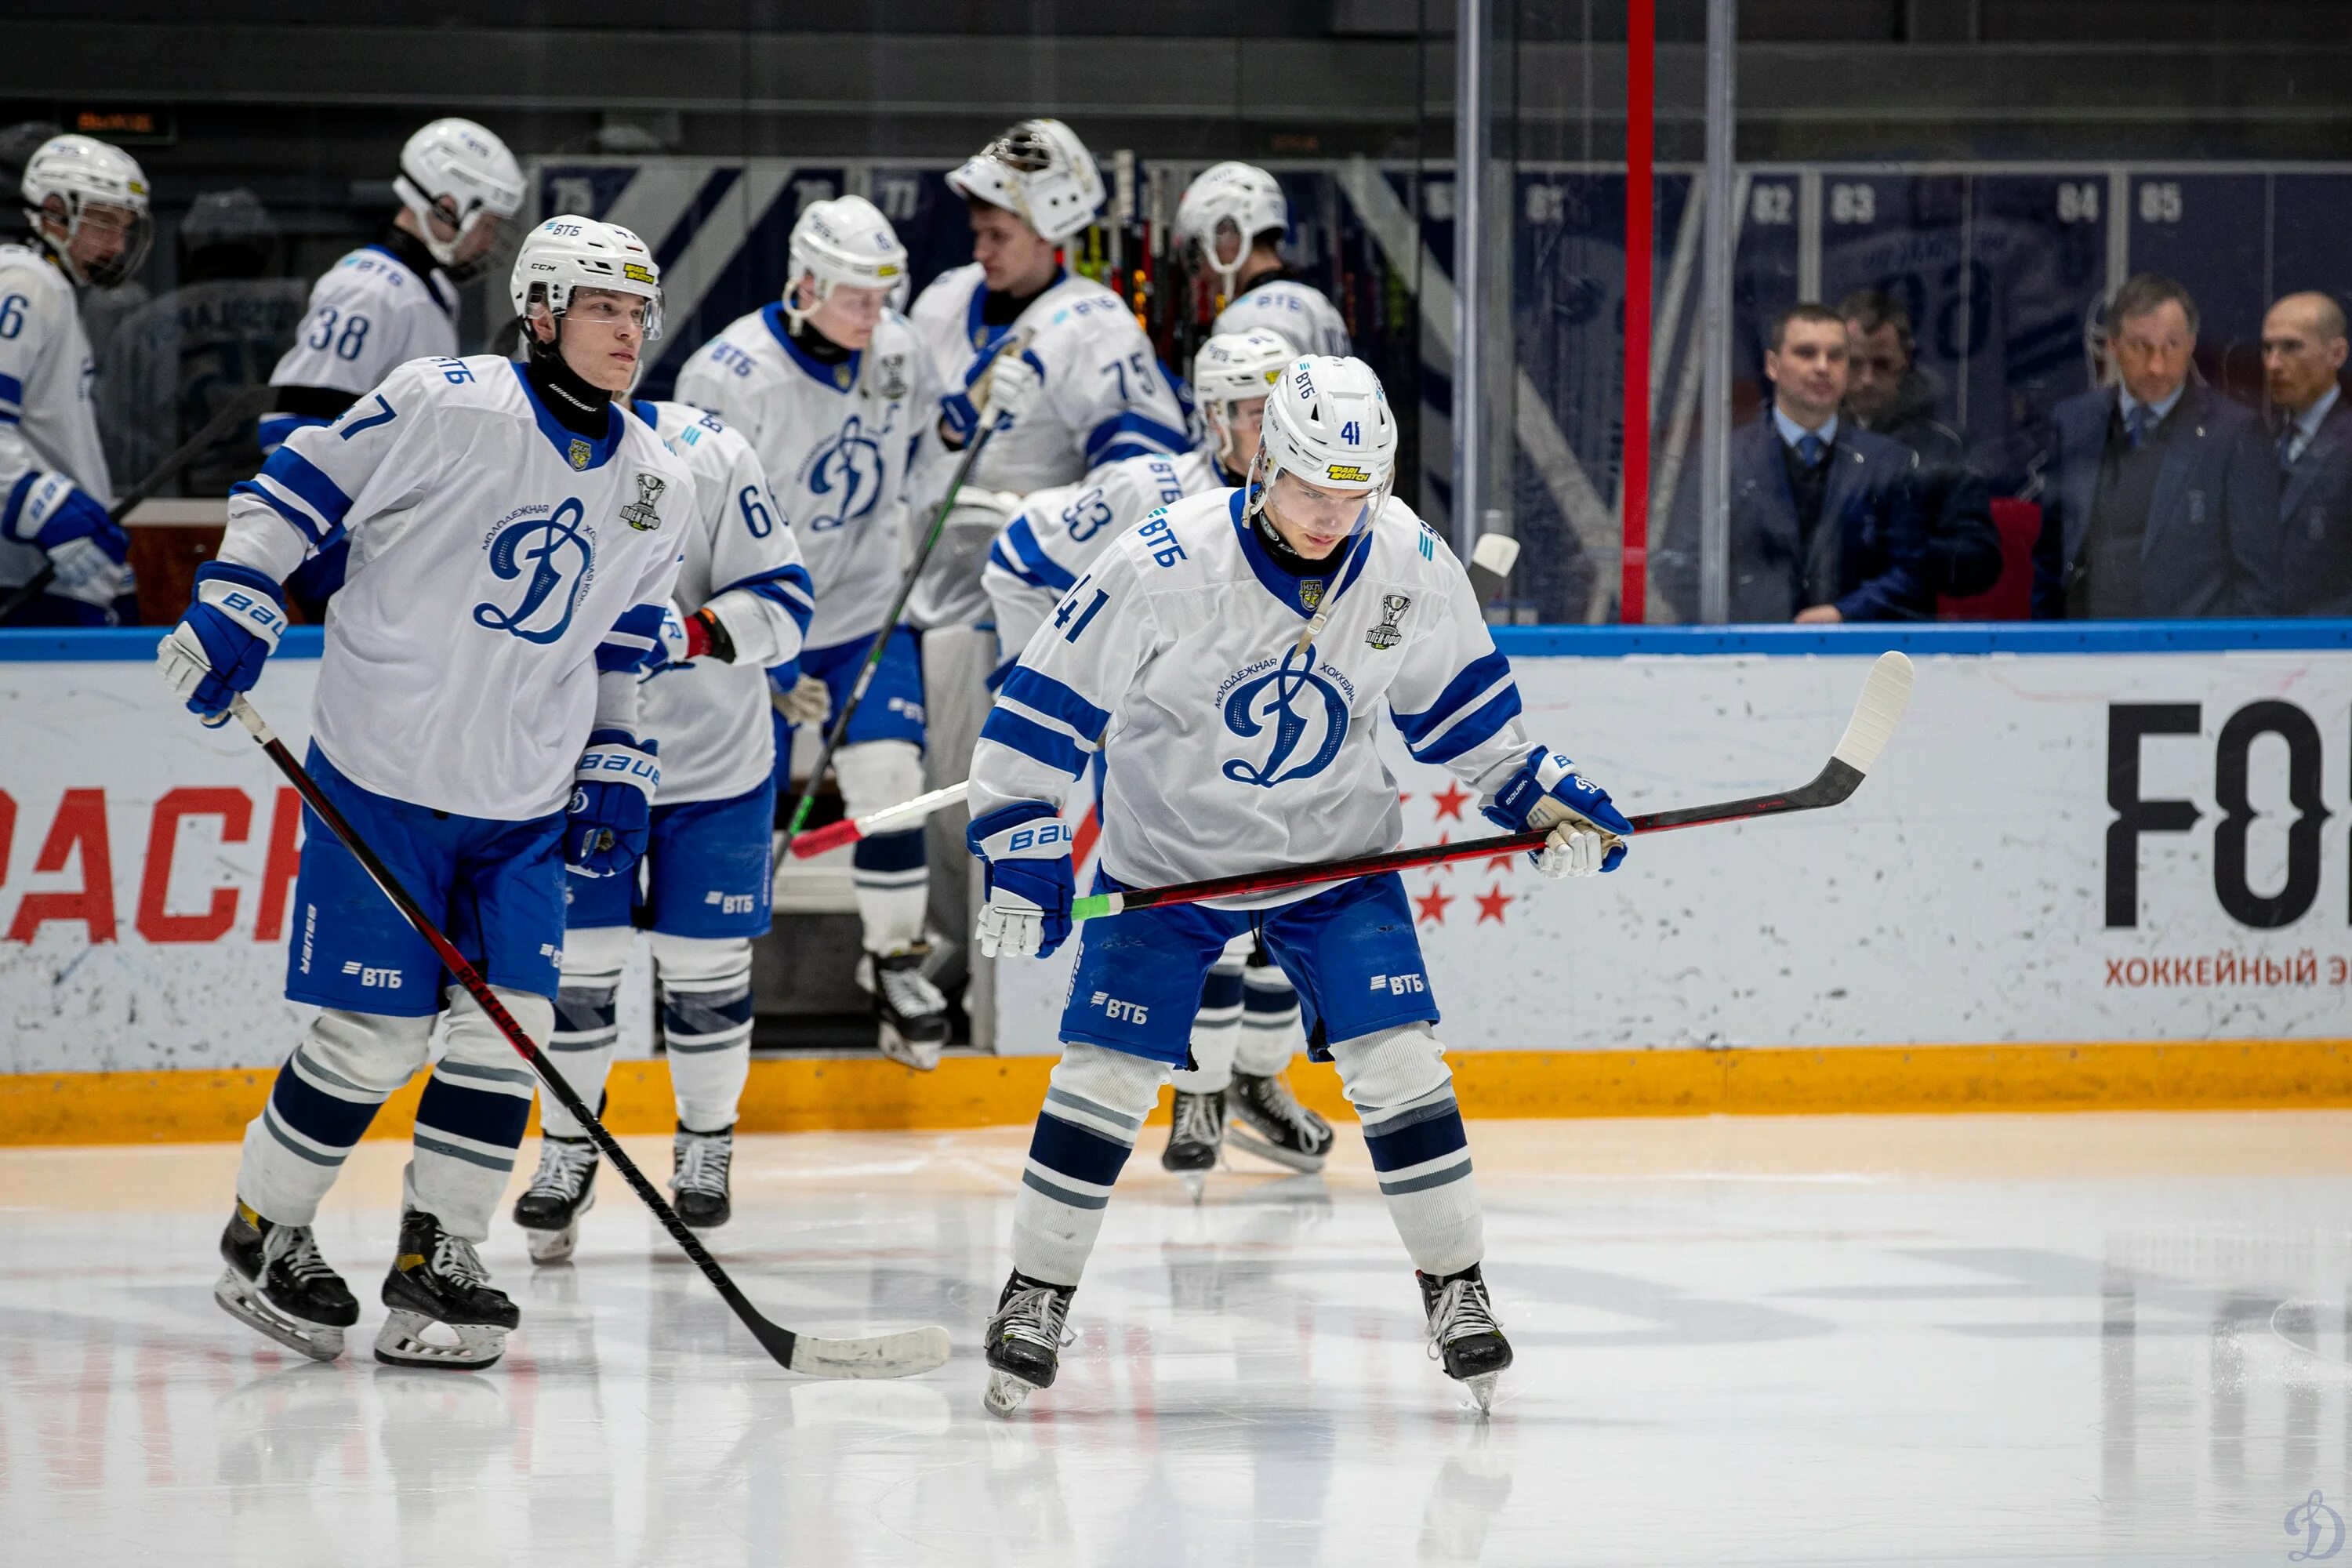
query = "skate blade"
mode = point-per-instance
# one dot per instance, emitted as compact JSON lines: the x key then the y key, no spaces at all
{"x":319,"y":1341}
{"x":402,"y":1342}
{"x":1482,"y":1389}
{"x":1196,"y":1184}
{"x":552,"y":1245}
{"x":1005,"y":1393}
{"x":920,"y":1055}
{"x":1238,"y":1136}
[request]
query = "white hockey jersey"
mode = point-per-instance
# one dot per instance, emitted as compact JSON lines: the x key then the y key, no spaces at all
{"x":369,"y":312}
{"x":499,"y":562}
{"x":1041,"y":552}
{"x":1295,"y":312}
{"x":45,"y":370}
{"x":742,"y":563}
{"x":838,"y":443}
{"x":1224,"y":750}
{"x":1103,"y":399}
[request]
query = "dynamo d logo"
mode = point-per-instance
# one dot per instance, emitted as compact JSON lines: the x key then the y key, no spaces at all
{"x":557,"y":553}
{"x":845,"y":477}
{"x":1304,"y":712}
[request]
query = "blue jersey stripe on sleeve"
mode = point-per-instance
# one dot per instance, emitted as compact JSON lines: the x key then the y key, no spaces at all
{"x":1034,"y":740}
{"x":1473,"y":678}
{"x":12,"y":392}
{"x":300,"y":522}
{"x":1138,"y":432}
{"x":1032,"y":564}
{"x":1473,"y":731}
{"x":308,"y":484}
{"x":275,"y":428}
{"x":1050,"y":697}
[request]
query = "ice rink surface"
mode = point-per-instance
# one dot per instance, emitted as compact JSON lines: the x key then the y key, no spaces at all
{"x":2093,"y":1339}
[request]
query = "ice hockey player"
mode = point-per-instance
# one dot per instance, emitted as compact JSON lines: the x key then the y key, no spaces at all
{"x":395,"y":299}
{"x":1017,"y":336}
{"x":837,"y":399}
{"x":743,"y":601}
{"x":1237,"y":1069}
{"x":1229,"y":659}
{"x":86,"y":205}
{"x":1237,"y":217}
{"x":514,"y":541}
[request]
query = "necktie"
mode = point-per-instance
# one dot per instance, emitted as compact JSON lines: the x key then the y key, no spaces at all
{"x":2289,"y":437}
{"x":1808,"y":449}
{"x":2135,"y":425}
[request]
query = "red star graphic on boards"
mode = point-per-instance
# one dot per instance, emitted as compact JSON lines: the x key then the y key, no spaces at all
{"x":1450,"y":800}
{"x":1433,"y":905}
{"x":1490,"y":904}
{"x":1502,"y":862}
{"x":1403,"y":795}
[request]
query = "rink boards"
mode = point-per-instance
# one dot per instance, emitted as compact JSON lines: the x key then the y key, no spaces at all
{"x":2101,"y":865}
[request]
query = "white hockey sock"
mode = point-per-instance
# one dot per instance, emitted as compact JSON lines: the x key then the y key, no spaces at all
{"x":1269,"y":1035}
{"x":889,"y":870}
{"x":471,"y":1118}
{"x":1095,"y":1105}
{"x":321,"y":1105}
{"x":705,"y":1020}
{"x":1216,"y":1031}
{"x":1403,"y":1094}
{"x":587,"y":1022}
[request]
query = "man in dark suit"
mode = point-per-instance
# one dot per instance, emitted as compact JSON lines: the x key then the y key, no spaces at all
{"x":2303,"y":353}
{"x":1889,"y":393}
{"x":2162,"y":495}
{"x":1825,"y":521}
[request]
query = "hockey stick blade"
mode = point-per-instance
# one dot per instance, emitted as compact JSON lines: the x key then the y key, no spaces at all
{"x":880,"y":1355}
{"x":1491,"y":561}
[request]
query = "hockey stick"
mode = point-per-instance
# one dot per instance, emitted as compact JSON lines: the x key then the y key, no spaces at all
{"x":1490,"y":564}
{"x":1884,"y":697}
{"x":875,"y":1355}
{"x":244,"y":406}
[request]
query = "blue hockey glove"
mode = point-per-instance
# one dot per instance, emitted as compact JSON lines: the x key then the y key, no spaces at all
{"x":217,"y":649}
{"x":612,"y":805}
{"x":1024,"y":851}
{"x":1588,"y":833}
{"x":88,"y":547}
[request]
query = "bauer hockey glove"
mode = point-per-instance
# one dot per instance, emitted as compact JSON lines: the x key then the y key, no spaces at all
{"x":88,"y":547}
{"x":216,"y":650}
{"x":1000,"y":389}
{"x":1588,"y":833}
{"x":612,"y":805}
{"x":1024,"y":851}
{"x":684,"y":637}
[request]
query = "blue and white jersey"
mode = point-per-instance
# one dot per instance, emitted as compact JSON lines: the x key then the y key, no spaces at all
{"x":1297,"y":314}
{"x":741,"y":564}
{"x":368,"y":314}
{"x":1043,"y":552}
{"x":45,"y":369}
{"x":498,"y":564}
{"x":836,"y":442}
{"x":1224,"y":749}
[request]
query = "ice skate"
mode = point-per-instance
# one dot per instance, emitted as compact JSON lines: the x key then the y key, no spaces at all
{"x":438,"y":1280}
{"x":1024,"y":1340}
{"x":276,"y":1282}
{"x":1463,"y":1333}
{"x":561,"y":1190}
{"x":1195,"y":1139}
{"x":910,"y":1012}
{"x":1268,"y":1121}
{"x":699,"y":1183}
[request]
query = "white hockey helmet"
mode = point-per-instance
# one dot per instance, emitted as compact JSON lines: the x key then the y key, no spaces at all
{"x":1242,"y":195}
{"x":81,"y":171}
{"x":1328,"y":421}
{"x":843,"y":241}
{"x":457,"y":171}
{"x":1040,"y":172}
{"x":570,"y":252}
{"x":1231,"y":368}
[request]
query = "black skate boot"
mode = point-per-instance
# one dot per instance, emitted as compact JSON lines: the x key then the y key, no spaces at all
{"x":910,"y":1011}
{"x":561,"y":1190}
{"x":1269,"y":1123}
{"x":699,"y":1183}
{"x":1024,"y":1340}
{"x":276,"y":1282}
{"x":1463,"y":1333}
{"x":1194,"y":1138}
{"x":438,"y":1279}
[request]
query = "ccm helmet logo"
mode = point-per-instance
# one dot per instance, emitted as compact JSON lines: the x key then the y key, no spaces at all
{"x":1347,"y":472}
{"x":636,"y":273}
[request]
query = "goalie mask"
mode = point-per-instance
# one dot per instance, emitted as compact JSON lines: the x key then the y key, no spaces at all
{"x":846,"y":241}
{"x":456,"y":171}
{"x":1241,"y":194}
{"x":570,"y":253}
{"x":68,"y":177}
{"x":1040,"y":172}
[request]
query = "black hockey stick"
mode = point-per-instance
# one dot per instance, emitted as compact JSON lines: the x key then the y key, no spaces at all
{"x":1885,"y":695}
{"x":877,"y":1355}
{"x":236,"y":411}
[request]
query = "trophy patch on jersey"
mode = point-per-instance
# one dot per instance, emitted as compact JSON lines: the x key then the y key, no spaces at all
{"x":581,"y":452}
{"x":1392,"y":609}
{"x":1310,"y":592}
{"x":639,"y":514}
{"x":891,"y":376}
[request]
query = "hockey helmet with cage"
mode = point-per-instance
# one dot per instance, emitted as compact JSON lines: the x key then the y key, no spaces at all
{"x":570,"y":252}
{"x":80,"y":172}
{"x":1040,"y":172}
{"x":1231,"y":368}
{"x":459,"y":173}
{"x":1242,"y":195}
{"x":845,"y":241}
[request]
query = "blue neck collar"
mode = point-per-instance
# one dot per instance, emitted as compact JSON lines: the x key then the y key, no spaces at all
{"x":1294,"y":591}
{"x":840,"y":377}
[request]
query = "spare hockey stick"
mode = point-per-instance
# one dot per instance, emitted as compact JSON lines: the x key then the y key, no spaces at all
{"x":1884,"y":697}
{"x":1490,"y":566}
{"x":234,"y":412}
{"x":877,"y":1355}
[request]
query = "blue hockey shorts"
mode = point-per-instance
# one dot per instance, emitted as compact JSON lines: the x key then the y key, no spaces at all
{"x":705,"y":872}
{"x":1351,"y":951}
{"x":496,"y":890}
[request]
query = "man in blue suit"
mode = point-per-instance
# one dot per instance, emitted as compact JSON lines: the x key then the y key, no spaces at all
{"x":2303,"y":355}
{"x":2162,"y":496}
{"x":1825,"y":516}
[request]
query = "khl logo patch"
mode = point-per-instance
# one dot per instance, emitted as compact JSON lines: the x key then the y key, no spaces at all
{"x":559,"y":555}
